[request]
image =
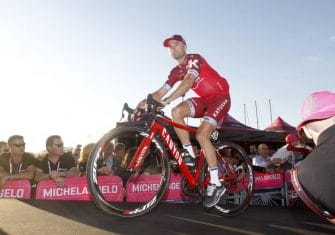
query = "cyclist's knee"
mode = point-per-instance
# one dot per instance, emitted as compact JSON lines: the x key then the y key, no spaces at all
{"x":202,"y":137}
{"x":178,"y":113}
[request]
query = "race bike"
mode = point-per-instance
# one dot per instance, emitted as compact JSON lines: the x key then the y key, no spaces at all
{"x":150,"y":152}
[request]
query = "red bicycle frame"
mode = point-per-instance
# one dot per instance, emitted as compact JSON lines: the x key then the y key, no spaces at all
{"x":158,"y":128}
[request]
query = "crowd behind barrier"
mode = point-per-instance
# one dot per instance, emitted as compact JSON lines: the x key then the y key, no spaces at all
{"x":60,"y":175}
{"x":270,"y":189}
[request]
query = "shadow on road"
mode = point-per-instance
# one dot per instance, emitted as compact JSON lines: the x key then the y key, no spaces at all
{"x":189,"y":218}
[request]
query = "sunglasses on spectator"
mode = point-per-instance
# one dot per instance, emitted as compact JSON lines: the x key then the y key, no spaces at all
{"x":19,"y":145}
{"x":59,"y":145}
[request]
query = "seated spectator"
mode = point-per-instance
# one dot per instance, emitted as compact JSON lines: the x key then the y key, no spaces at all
{"x":16,"y":164}
{"x":56,"y":165}
{"x":82,"y":162}
{"x":112,"y":159}
{"x":120,"y":152}
{"x":263,"y":159}
{"x":252,"y":152}
{"x":3,"y":147}
{"x":76,"y":153}
{"x":290,"y":154}
{"x":105,"y":165}
{"x":271,"y":150}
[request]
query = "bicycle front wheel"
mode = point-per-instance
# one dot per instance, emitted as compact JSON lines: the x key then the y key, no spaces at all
{"x":125,"y":192}
{"x":237,"y":176}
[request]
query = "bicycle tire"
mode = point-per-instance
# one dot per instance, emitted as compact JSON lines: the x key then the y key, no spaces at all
{"x":239,"y":192}
{"x":154,"y":171}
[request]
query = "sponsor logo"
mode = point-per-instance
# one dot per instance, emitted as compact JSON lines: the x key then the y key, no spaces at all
{"x":94,"y":175}
{"x":267,"y":177}
{"x":12,"y":193}
{"x":145,"y":207}
{"x":192,"y":63}
{"x":77,"y":191}
{"x":141,"y":156}
{"x":172,"y":147}
{"x":147,"y":187}
{"x":221,"y":106}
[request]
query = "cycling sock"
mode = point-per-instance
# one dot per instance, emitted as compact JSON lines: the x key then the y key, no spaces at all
{"x":189,"y":149}
{"x":214,"y":176}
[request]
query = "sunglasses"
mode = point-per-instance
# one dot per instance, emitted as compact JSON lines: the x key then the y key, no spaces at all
{"x":19,"y":145}
{"x":59,"y":145}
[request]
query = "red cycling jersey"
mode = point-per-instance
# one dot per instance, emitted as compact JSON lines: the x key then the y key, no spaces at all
{"x":208,"y":83}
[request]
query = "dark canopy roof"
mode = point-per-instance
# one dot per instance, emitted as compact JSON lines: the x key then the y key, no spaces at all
{"x":230,"y":123}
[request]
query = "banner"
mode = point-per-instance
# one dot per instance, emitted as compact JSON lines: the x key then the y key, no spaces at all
{"x":266,"y":180}
{"x":76,"y":189}
{"x":20,"y":189}
{"x":142,"y":188}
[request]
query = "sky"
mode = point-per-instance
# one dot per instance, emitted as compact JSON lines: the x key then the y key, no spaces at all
{"x":68,"y":66}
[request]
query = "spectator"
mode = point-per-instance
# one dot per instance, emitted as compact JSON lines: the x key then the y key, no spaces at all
{"x":76,"y":153}
{"x":271,"y":150}
{"x":105,"y":166}
{"x":263,"y":159}
{"x":120,"y":152}
{"x":315,"y":175}
{"x":291,"y":153}
{"x":115,"y":159}
{"x":56,"y":165}
{"x":3,"y":147}
{"x":82,"y":162}
{"x":16,"y":164}
{"x":252,"y":152}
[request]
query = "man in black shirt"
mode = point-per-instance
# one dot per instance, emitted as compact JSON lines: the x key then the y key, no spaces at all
{"x":314,"y":177}
{"x":16,"y":164}
{"x":56,"y":165}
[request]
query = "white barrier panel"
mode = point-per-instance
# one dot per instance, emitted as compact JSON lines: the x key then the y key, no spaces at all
{"x":20,"y":189}
{"x":76,"y":189}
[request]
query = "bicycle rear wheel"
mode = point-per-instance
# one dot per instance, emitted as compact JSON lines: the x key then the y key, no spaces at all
{"x":231,"y":158}
{"x":128,"y":193}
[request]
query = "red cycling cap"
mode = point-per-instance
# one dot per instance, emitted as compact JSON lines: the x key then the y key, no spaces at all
{"x":317,"y":106}
{"x":291,"y":137}
{"x":174,"y":37}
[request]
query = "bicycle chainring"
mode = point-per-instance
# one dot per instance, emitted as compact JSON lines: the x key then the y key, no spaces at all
{"x":187,"y":189}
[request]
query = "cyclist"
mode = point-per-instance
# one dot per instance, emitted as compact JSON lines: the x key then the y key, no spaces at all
{"x":314,"y":176}
{"x":212,"y":105}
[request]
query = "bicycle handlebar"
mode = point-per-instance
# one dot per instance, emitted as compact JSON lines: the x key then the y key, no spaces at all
{"x":154,"y":105}
{"x":153,"y":108}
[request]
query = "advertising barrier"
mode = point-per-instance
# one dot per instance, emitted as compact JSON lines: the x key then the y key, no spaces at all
{"x":76,"y":189}
{"x":142,"y":188}
{"x":20,"y":189}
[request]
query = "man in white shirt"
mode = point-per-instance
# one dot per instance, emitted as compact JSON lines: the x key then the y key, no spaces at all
{"x":291,"y":153}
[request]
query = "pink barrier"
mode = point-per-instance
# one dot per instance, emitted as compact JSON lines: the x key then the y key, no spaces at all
{"x":16,"y":189}
{"x":291,"y":195}
{"x":266,"y":180}
{"x":242,"y":184}
{"x":174,"y":192}
{"x":77,"y":189}
{"x":143,"y":187}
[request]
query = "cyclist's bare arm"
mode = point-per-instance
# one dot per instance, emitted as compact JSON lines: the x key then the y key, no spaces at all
{"x":183,"y":87}
{"x":157,"y":95}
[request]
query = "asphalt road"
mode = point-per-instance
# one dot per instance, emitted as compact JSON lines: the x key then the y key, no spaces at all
{"x":75,"y":217}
